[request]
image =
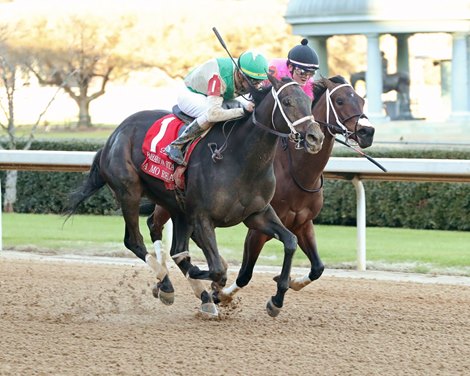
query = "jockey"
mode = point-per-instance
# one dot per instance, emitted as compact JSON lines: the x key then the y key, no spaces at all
{"x":211,"y":85}
{"x":300,"y":65}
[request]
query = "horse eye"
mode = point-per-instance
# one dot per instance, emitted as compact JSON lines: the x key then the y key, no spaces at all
{"x":287,"y":102}
{"x":340,"y":101}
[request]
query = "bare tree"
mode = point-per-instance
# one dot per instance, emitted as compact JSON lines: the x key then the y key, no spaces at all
{"x":12,"y":71}
{"x":81,"y":56}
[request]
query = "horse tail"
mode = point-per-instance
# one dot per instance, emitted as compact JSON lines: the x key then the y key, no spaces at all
{"x":92,"y":184}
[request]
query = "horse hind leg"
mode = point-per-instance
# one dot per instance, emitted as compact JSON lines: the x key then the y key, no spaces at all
{"x":133,"y":240}
{"x":163,"y":288}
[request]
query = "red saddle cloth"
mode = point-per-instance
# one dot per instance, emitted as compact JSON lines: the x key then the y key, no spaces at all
{"x":157,"y":163}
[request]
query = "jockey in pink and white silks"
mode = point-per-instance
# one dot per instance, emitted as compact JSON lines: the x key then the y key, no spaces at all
{"x":300,"y":65}
{"x":208,"y":87}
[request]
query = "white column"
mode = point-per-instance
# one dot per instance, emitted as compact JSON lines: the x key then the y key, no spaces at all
{"x":460,"y":77}
{"x":360,"y":223}
{"x":468,"y":71}
{"x":319,"y":45}
{"x":1,"y":211}
{"x":374,"y":78}
{"x":403,"y":54}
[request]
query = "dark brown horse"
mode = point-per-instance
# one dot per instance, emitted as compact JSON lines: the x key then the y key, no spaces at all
{"x":298,"y":198}
{"x":219,"y":193}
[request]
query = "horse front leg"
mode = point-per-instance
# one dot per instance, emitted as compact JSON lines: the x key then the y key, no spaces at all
{"x":306,"y":238}
{"x":180,"y":255}
{"x":204,"y":237}
{"x":269,"y":223}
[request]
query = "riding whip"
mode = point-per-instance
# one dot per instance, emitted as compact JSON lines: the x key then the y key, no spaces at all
{"x":369,"y":158}
{"x":219,"y":37}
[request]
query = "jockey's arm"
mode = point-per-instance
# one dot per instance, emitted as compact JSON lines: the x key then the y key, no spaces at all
{"x":215,"y":111}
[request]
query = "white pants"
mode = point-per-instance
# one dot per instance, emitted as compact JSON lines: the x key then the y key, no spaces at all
{"x":194,"y":105}
{"x":198,"y":105}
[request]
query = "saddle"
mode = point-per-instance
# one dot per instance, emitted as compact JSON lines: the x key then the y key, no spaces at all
{"x":183,"y":117}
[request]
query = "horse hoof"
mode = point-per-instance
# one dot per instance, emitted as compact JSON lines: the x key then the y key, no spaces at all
{"x":215,"y":297}
{"x":155,"y":290}
{"x":209,"y":310}
{"x":272,"y":310}
{"x":167,"y":298}
{"x":220,"y":298}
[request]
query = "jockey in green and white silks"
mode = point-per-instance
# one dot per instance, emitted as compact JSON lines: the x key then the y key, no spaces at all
{"x":208,"y":87}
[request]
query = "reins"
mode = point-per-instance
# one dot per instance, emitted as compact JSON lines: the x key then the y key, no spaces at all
{"x":267,"y":129}
{"x":285,"y":145}
{"x":215,"y":150}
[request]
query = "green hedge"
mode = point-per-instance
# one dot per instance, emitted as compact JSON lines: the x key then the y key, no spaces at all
{"x":47,"y":192}
{"x":444,"y":206}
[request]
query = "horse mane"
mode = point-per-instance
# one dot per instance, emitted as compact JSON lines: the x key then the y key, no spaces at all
{"x":260,"y":94}
{"x":320,"y":86}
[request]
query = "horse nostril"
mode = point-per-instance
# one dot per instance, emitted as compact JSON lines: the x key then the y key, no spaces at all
{"x":366,"y":131}
{"x":313,"y":139}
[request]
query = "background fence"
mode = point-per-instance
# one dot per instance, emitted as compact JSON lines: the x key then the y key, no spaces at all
{"x":353,"y":169}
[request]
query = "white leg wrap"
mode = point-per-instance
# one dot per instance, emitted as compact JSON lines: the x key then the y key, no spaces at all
{"x":231,"y":290}
{"x":180,"y":256}
{"x":197,"y":286}
{"x":159,"y":270}
{"x":160,"y":252}
{"x":299,"y":282}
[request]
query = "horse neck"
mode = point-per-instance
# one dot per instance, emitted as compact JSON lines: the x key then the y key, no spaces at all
{"x":319,"y":113}
{"x":258,"y":143}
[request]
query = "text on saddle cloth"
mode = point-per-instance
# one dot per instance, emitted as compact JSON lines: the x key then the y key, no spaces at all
{"x":157,"y":163}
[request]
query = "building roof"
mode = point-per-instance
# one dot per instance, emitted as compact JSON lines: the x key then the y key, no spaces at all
{"x":327,"y":17}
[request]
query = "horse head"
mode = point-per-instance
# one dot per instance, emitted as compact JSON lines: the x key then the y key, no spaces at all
{"x":340,"y":109}
{"x":291,"y":114}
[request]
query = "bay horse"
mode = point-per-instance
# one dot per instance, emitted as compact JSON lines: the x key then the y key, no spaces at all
{"x":218,"y":192}
{"x":298,"y":198}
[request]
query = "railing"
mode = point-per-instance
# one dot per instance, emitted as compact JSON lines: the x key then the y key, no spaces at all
{"x":353,"y":169}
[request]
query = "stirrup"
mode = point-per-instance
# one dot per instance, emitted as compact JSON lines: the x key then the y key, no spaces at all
{"x":175,"y":154}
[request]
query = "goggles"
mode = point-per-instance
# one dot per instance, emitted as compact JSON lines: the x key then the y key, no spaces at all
{"x":304,"y":73}
{"x":254,"y":82}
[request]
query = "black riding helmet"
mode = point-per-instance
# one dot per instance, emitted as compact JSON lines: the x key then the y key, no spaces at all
{"x":304,"y":57}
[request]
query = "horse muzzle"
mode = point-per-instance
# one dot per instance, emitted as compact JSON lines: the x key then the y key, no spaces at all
{"x":364,"y":136}
{"x":313,"y":139}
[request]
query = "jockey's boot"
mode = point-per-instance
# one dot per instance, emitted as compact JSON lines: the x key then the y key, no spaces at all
{"x":174,"y":150}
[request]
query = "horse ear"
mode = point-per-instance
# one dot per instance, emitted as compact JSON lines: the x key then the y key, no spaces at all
{"x":274,"y":81}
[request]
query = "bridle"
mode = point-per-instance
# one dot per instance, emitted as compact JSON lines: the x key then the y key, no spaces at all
{"x":294,"y":136}
{"x":338,"y":126}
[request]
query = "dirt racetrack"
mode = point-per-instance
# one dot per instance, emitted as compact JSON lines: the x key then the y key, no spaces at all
{"x":59,"y":318}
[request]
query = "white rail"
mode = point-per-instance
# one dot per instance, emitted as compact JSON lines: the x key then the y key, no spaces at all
{"x":354,"y":169}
